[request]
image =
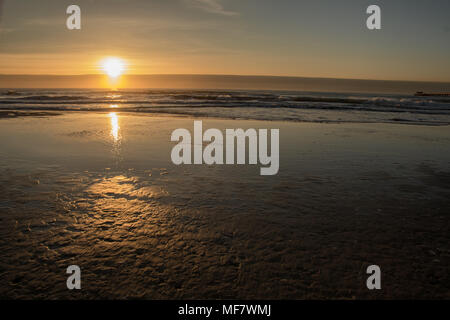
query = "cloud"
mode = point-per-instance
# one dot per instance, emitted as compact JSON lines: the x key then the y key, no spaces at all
{"x":212,"y":6}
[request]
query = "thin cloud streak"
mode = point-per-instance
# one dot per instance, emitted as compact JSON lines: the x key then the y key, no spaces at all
{"x":212,"y":6}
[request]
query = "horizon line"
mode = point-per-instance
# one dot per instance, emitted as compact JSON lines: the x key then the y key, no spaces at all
{"x":220,"y":75}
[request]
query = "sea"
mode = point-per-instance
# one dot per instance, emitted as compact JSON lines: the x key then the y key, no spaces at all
{"x":297,"y":106}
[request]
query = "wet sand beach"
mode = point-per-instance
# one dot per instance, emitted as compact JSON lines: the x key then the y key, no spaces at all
{"x":99,"y":190}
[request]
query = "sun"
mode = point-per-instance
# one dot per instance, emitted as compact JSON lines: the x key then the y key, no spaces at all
{"x":113,"y":67}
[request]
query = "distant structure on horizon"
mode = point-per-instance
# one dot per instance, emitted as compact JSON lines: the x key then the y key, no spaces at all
{"x":424,"y":94}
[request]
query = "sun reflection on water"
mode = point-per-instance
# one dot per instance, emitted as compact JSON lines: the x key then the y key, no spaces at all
{"x":115,"y":128}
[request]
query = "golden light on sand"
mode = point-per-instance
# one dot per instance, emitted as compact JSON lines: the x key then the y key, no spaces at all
{"x":114,"y":126}
{"x":113,"y":67}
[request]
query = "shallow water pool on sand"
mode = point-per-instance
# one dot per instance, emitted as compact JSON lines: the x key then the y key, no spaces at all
{"x":100,"y":191}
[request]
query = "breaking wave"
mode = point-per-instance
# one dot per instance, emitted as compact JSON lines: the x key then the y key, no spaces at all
{"x":266,"y":105}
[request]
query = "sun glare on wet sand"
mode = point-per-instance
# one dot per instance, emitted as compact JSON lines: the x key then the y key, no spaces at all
{"x":114,"y":126}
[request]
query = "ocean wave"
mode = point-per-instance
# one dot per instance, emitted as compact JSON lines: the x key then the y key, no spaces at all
{"x":227,"y":97}
{"x":51,"y":98}
{"x":267,"y":105}
{"x":315,"y":105}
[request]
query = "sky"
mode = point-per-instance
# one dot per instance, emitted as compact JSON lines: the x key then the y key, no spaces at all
{"x":307,"y":38}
